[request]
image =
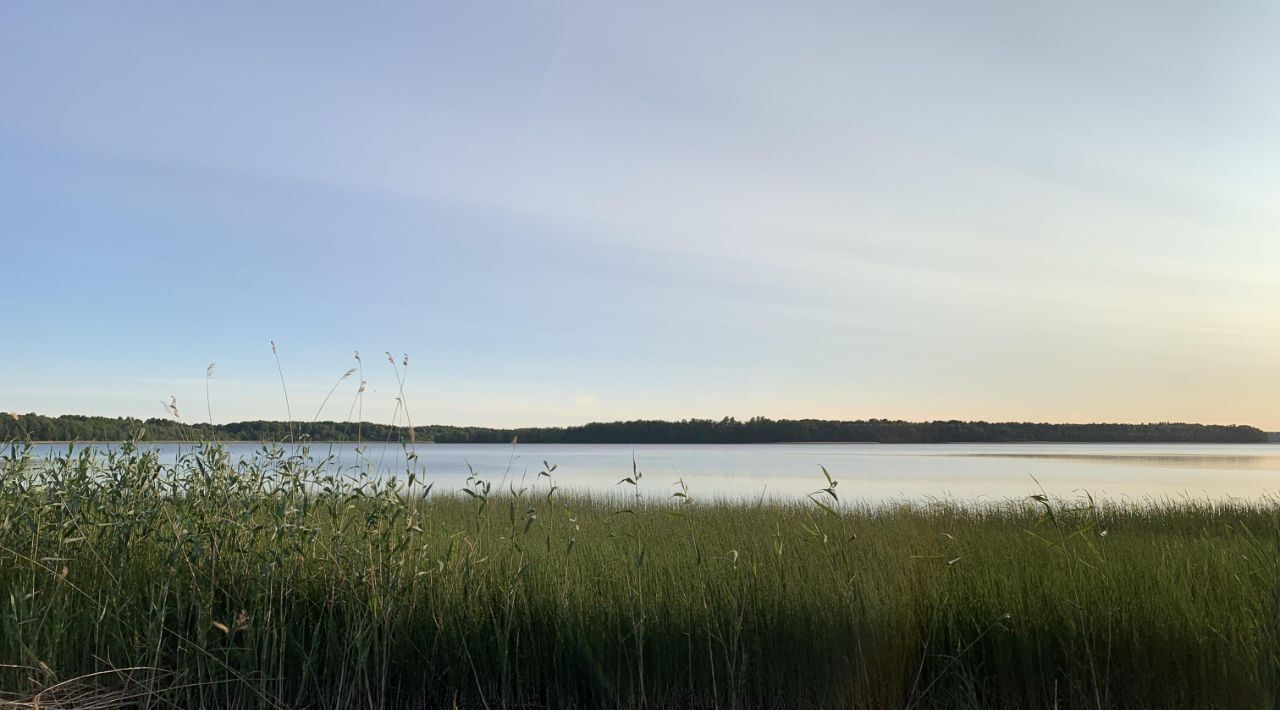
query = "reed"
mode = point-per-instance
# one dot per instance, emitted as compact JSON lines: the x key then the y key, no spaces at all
{"x":280,"y":581}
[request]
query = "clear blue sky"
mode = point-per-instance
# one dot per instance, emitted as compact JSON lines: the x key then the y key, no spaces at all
{"x":579,"y":211}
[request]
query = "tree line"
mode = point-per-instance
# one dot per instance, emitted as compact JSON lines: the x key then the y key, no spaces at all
{"x":757,"y":430}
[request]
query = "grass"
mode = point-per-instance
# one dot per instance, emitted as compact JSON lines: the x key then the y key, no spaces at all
{"x":276,"y":582}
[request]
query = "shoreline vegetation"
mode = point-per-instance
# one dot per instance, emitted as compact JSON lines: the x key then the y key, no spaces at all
{"x":758,"y":430}
{"x":277,"y":582}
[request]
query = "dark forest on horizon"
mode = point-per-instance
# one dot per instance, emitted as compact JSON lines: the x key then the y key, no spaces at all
{"x":757,"y":430}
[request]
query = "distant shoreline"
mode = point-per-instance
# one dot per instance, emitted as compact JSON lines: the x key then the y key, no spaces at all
{"x":158,"y":442}
{"x":757,"y":430}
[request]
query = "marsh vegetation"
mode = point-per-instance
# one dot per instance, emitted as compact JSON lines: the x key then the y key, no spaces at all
{"x":278,"y":581}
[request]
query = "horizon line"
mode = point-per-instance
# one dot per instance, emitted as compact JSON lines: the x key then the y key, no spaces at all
{"x":287,"y":422}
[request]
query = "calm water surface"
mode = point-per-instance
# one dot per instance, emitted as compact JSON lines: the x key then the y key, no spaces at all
{"x":873,"y":472}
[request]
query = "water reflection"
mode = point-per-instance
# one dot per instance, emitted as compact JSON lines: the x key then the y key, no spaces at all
{"x":867,"y":472}
{"x":1271,"y":463}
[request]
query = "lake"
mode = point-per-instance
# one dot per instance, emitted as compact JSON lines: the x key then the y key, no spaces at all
{"x":871,"y":472}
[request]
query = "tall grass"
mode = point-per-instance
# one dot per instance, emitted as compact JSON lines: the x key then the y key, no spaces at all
{"x":279,"y":582}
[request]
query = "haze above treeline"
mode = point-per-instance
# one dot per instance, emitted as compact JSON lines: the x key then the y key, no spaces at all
{"x":757,"y":430}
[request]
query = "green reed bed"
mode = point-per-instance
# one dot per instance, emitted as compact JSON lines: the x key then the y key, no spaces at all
{"x":273,"y":583}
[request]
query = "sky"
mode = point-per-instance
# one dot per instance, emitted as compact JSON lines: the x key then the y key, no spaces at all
{"x":567,"y":212}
